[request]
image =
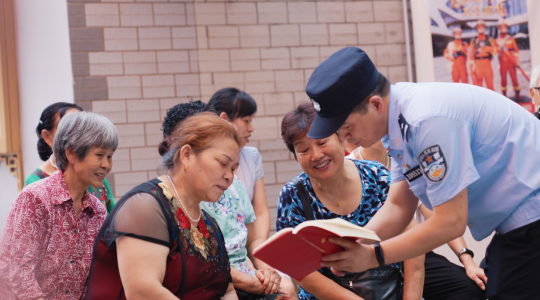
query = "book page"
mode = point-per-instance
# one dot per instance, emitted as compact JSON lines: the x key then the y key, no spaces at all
{"x":340,"y":228}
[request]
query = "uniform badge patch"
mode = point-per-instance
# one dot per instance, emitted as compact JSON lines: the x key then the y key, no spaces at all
{"x":433,"y":163}
{"x":413,"y":173}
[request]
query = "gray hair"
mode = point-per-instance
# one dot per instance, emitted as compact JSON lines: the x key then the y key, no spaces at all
{"x":534,"y":76}
{"x":80,"y":132}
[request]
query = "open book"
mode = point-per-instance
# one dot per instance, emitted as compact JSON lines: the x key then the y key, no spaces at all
{"x":298,"y":251}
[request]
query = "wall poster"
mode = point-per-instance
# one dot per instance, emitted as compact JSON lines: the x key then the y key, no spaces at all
{"x":482,"y":42}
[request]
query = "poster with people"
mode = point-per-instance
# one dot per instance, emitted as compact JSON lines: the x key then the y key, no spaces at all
{"x":482,"y":42}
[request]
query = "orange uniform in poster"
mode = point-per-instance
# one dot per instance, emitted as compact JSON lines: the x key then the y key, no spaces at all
{"x":481,"y":51}
{"x":508,"y":58}
{"x":456,"y":51}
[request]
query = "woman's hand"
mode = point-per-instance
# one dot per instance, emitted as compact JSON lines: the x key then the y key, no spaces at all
{"x":271,"y":280}
{"x":247,"y":283}
{"x":475,"y":273}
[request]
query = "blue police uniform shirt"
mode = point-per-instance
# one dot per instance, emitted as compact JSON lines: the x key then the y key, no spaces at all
{"x":445,"y":137}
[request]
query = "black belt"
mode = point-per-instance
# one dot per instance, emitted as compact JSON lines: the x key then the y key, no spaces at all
{"x":483,"y":57}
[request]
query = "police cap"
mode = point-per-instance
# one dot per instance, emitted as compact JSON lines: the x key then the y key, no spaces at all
{"x":336,"y":86}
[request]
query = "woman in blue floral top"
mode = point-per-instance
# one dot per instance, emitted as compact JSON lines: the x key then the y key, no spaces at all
{"x":336,"y":188}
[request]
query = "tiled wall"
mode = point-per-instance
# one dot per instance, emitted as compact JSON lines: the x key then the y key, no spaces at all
{"x":134,"y":60}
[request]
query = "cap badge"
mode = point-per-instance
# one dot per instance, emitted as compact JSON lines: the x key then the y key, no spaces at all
{"x":316,"y":105}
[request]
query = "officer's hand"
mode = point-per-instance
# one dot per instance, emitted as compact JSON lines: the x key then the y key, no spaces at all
{"x":355,"y":257}
{"x":476,"y":274}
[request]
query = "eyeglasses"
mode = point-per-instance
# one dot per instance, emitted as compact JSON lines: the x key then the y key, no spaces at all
{"x":537,"y":88}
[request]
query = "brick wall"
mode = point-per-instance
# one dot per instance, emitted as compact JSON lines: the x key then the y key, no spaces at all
{"x":134,"y":60}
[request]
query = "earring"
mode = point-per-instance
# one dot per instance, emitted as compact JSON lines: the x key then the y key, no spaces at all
{"x":185,"y":167}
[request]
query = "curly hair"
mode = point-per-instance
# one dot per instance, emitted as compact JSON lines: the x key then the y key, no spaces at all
{"x":175,"y":115}
{"x":200,"y":132}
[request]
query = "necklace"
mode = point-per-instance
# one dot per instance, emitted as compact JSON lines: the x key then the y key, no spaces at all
{"x":181,"y":203}
{"x":53,"y":164}
{"x":362,"y":158}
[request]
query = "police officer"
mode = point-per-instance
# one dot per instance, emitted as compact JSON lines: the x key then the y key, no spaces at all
{"x":466,"y":152}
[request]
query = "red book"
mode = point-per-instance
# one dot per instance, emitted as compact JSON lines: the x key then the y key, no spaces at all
{"x":298,"y":251}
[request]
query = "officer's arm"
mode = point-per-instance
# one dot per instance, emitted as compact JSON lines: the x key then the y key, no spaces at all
{"x":396,"y":213}
{"x":447,"y":223}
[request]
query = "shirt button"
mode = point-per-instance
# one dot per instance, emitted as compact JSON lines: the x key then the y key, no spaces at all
{"x":67,"y":292}
{"x":72,"y":261}
{"x":75,"y":231}
{"x":399,"y":156}
{"x":471,"y":225}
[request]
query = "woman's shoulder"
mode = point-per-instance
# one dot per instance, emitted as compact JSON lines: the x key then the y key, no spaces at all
{"x":98,"y":207}
{"x":250,"y":150}
{"x":153,"y":187}
{"x":43,"y":191}
{"x":34,"y":176}
{"x":370,"y":167}
{"x":301,"y":178}
{"x":290,"y":189}
{"x":250,"y":153}
{"x":210,"y":220}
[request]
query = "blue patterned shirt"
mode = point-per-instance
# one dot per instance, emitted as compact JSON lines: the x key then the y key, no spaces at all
{"x":375,"y":184}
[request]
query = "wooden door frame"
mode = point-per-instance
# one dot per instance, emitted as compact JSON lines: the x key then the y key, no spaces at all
{"x":10,"y":134}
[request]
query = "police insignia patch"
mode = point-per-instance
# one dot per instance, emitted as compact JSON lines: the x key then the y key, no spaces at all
{"x":433,"y":163}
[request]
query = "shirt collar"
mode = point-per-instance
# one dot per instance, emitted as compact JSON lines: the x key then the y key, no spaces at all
{"x":60,"y":193}
{"x":393,"y":139}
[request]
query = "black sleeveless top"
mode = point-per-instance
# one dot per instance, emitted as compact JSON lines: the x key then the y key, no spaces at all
{"x":193,"y":271}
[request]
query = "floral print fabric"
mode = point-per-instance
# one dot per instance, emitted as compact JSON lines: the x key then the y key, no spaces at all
{"x":46,"y":249}
{"x":232,"y":212}
{"x":290,"y":213}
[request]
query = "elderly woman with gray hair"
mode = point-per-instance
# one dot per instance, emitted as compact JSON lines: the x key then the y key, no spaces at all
{"x":46,"y":247}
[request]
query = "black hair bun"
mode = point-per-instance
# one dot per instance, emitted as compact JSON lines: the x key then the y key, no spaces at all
{"x":163,"y":147}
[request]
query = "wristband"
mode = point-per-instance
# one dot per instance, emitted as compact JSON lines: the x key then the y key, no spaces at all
{"x":465,"y":250}
{"x":379,"y":254}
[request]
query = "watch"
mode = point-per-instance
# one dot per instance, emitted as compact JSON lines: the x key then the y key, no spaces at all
{"x":379,"y":254}
{"x":465,"y":250}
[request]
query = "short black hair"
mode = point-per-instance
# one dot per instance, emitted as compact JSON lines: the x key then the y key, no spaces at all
{"x":296,"y":123}
{"x":175,"y":115}
{"x":46,"y":122}
{"x":382,"y":89}
{"x":234,"y":102}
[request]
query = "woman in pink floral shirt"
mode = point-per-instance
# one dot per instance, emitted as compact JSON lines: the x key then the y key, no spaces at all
{"x":46,"y":247}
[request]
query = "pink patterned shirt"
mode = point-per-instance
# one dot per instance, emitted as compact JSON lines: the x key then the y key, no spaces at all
{"x":45,"y":249}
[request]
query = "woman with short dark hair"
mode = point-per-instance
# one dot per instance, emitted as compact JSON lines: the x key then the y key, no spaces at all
{"x":46,"y":129}
{"x":46,"y":247}
{"x":239,"y":108}
{"x":335,"y":188}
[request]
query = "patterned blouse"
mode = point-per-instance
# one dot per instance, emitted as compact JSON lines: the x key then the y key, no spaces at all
{"x":151,"y":212}
{"x":232,"y":212}
{"x":104,"y":194}
{"x":375,"y":186}
{"x":46,"y":249}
